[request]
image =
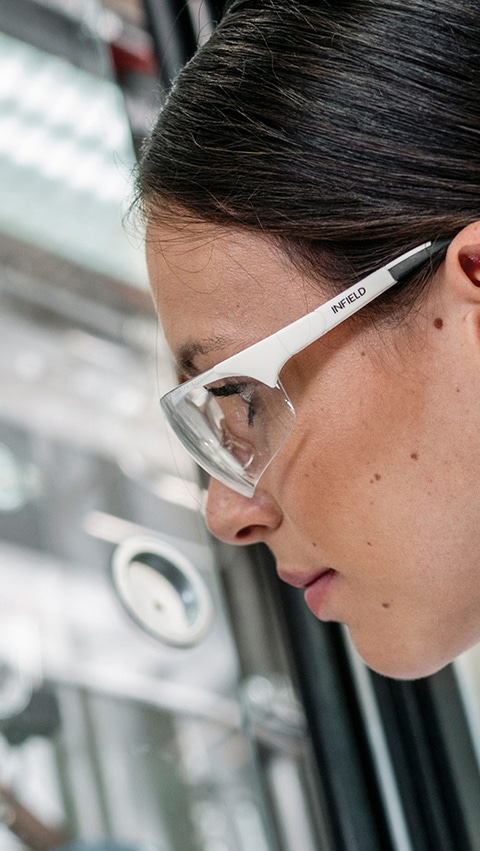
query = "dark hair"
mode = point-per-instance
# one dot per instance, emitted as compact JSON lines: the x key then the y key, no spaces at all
{"x":346,"y":129}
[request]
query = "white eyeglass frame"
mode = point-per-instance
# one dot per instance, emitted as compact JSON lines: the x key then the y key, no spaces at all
{"x":265,"y":359}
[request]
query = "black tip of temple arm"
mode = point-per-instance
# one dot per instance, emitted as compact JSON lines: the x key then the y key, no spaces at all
{"x":415,"y":262}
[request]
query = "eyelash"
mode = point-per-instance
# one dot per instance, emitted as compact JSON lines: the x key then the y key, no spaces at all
{"x":237,"y":390}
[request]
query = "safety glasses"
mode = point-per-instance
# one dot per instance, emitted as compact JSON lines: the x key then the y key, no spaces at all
{"x":234,"y":418}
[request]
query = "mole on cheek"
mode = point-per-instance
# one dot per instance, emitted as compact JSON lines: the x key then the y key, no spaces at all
{"x":414,"y":456}
{"x":386,"y":605}
{"x":438,"y":322}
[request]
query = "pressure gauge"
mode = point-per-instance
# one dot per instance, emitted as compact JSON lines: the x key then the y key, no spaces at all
{"x":162,"y":590}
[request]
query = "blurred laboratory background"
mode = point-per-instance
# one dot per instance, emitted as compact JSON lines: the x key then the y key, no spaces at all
{"x":126,"y":711}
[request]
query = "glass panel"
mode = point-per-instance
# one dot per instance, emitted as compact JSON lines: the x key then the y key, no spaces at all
{"x":107,"y":734}
{"x":124,"y":718}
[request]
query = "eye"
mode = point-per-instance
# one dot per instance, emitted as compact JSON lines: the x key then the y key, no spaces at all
{"x":244,"y":390}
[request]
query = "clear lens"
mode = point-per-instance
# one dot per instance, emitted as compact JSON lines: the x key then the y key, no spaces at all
{"x":233,"y":428}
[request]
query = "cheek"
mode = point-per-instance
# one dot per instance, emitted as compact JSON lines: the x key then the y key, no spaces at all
{"x":369,"y":477}
{"x":376,"y":500}
{"x":348,"y":416}
{"x":380,"y":481}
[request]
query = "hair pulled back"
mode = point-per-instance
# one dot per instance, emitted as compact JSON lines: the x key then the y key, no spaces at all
{"x":348,"y":128}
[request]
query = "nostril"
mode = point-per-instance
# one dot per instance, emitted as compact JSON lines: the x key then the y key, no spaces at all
{"x":246,"y":532}
{"x":251,"y":534}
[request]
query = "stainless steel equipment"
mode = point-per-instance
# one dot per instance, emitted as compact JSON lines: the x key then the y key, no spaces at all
{"x":126,"y":711}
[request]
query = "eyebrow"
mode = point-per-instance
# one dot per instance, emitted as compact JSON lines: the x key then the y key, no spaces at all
{"x":187,"y":354}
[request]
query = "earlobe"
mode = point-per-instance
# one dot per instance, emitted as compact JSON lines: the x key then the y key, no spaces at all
{"x":472,"y":324}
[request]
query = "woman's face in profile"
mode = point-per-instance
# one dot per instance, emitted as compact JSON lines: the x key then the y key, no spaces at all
{"x":372,"y":504}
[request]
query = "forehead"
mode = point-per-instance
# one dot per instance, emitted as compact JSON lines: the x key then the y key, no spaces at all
{"x":219,"y":290}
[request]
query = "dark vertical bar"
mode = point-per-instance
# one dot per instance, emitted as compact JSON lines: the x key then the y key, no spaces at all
{"x":344,"y":761}
{"x":171,"y":28}
{"x":428,"y":787}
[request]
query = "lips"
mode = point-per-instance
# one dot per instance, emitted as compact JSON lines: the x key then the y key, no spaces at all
{"x":302,"y":580}
{"x":316,"y":588}
{"x":318,"y":576}
{"x":316,"y":593}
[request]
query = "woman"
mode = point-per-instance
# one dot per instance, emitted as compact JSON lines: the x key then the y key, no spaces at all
{"x":305,"y":146}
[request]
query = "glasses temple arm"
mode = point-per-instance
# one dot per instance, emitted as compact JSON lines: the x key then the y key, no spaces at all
{"x":265,"y":359}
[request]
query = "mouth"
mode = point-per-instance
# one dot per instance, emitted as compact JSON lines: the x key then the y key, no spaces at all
{"x":316,"y":587}
{"x":317,"y":577}
{"x":316,"y":593}
{"x":299,"y":580}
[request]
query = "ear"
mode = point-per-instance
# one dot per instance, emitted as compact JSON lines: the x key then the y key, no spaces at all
{"x":462,"y":269}
{"x":462,"y":263}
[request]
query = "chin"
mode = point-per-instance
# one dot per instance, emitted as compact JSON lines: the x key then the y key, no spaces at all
{"x":398,"y":670}
{"x":402,"y":663}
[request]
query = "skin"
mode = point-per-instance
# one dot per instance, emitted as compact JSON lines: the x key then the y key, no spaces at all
{"x":379,"y":478}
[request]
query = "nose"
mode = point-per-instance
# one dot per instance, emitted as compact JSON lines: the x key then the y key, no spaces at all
{"x":238,"y":519}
